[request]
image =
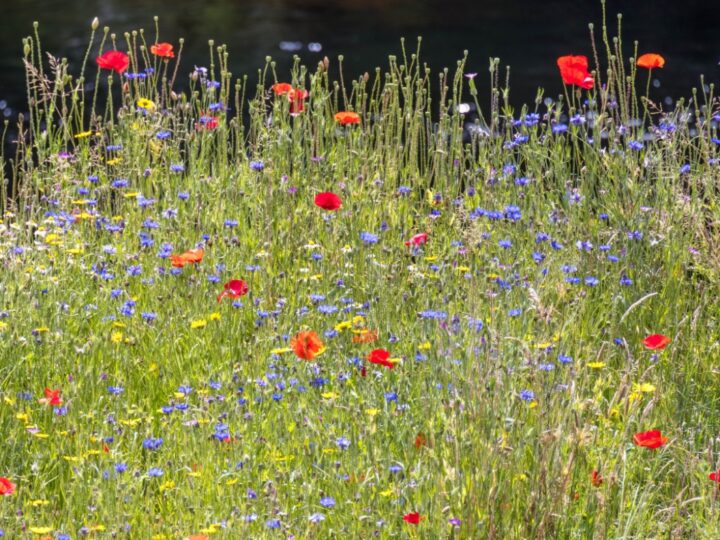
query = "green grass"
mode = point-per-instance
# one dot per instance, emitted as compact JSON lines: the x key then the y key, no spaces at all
{"x":504,"y":320}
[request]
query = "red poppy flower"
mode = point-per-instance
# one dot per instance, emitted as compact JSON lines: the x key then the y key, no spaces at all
{"x":595,"y":479}
{"x":115,"y":60}
{"x":417,"y":240}
{"x":281,"y":89}
{"x":297,"y":96}
{"x":346,"y":117}
{"x":192,"y":256}
{"x":656,"y":341}
{"x":328,"y":201}
{"x":234,"y":288}
{"x":715,"y":476}
{"x":420,"y":440}
{"x":6,"y":487}
{"x":413,"y":517}
{"x":574,"y":70}
{"x":307,"y":345}
{"x":651,"y":61}
{"x":650,"y":439}
{"x":165,"y":50}
{"x":52,"y":397}
{"x":381,"y":357}
{"x":207,"y":122}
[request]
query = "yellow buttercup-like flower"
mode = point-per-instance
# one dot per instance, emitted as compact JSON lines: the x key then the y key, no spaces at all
{"x":147,"y":104}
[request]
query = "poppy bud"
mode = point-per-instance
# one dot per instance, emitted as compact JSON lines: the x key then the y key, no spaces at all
{"x":95,"y":23}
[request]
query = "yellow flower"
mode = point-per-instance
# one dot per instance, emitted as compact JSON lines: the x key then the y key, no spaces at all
{"x":39,"y":502}
{"x":424,"y":346}
{"x":41,"y":530}
{"x":644,"y":388}
{"x":83,"y":134}
{"x":144,"y":103}
{"x":339,"y":327}
{"x":114,"y":161}
{"x":41,"y":330}
{"x":116,"y":337}
{"x":281,"y":350}
{"x":372,"y":412}
{"x":330,"y":395}
{"x":200,"y":323}
{"x":596,"y":365}
{"x":167,"y":485}
{"x":215,"y":316}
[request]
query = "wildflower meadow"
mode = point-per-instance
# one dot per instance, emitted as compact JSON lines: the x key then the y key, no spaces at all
{"x":393,"y":304}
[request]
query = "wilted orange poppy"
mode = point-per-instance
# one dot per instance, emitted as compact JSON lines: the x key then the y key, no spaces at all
{"x":650,"y":439}
{"x":164,"y":50}
{"x":347,"y":117}
{"x":651,"y":61}
{"x":420,"y":440}
{"x":307,"y":345}
{"x":596,"y":479}
{"x":192,"y":256}
{"x":365,"y":335}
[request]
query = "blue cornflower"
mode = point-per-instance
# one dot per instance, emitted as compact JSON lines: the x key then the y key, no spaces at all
{"x":273,"y":523}
{"x":527,"y":395}
{"x":514,"y":312}
{"x":626,"y":281}
{"x":152,"y":443}
{"x":564,"y":359}
{"x":391,"y":396}
{"x":368,"y":238}
{"x":257,"y":165}
{"x":327,"y":502}
{"x":559,"y":128}
{"x":591,"y":281}
{"x":177,"y":167}
{"x":115,"y":390}
{"x":326,"y":310}
{"x":316,"y":517}
{"x":505,"y":244}
{"x":343,"y":443}
{"x":546,"y":367}
{"x":636,"y":145}
{"x":119,"y":183}
{"x":432,"y":314}
{"x":155,"y":472}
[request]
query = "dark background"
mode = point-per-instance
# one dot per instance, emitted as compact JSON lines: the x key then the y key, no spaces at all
{"x":526,"y":34}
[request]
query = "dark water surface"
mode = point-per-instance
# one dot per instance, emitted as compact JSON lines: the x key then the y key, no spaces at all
{"x":526,"y":34}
